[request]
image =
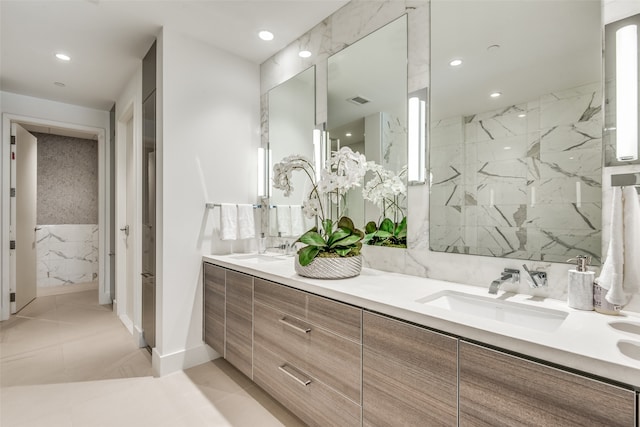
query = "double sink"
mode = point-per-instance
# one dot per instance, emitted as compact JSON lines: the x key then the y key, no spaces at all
{"x":490,"y":308}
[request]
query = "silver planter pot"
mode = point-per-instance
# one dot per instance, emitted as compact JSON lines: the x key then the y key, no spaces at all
{"x":330,"y":268}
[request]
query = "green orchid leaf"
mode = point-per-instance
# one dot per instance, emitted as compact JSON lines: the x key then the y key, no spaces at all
{"x":371,"y":227}
{"x":313,"y":230}
{"x":401,"y":228}
{"x":402,"y":235}
{"x":367,"y":238}
{"x":313,"y":238}
{"x":351,"y":239}
{"x":339,"y":234}
{"x":345,"y":222}
{"x":327,"y":225}
{"x":383,"y":234}
{"x":387,"y":225}
{"x":343,"y":251}
{"x":307,"y":254}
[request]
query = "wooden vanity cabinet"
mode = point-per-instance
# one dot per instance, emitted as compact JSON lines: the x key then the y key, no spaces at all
{"x":228,"y":315}
{"x":409,"y":374}
{"x":498,"y":389}
{"x":239,"y":321}
{"x":307,"y":354}
{"x":214,"y":307}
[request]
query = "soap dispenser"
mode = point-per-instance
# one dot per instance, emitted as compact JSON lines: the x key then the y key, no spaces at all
{"x":580,"y":284}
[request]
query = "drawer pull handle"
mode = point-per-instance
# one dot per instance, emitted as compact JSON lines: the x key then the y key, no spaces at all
{"x":294,"y":374}
{"x":295,"y":327}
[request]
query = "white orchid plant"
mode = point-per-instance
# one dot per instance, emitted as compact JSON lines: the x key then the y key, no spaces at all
{"x":386,"y":189}
{"x":345,"y":170}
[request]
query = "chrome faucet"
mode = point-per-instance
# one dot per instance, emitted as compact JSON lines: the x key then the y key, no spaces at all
{"x":538,"y":278}
{"x":508,"y":275}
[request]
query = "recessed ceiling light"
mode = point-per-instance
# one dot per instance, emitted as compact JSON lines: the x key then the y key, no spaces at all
{"x":495,"y":94}
{"x":347,"y":134}
{"x":522,"y":115}
{"x":507,"y":148}
{"x":265,"y":35}
{"x":455,"y":62}
{"x":304,"y":54}
{"x":59,"y":84}
{"x":63,"y":57}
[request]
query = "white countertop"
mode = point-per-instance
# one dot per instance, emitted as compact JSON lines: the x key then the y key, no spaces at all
{"x":586,"y":341}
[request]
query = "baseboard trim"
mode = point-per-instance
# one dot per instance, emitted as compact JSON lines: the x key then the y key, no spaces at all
{"x":138,"y":337}
{"x":127,"y":322}
{"x":180,"y":360}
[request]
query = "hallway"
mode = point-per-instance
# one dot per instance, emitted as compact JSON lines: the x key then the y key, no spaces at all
{"x":67,"y":361}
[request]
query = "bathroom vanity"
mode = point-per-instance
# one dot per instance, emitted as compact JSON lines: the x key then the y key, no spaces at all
{"x":374,"y":350}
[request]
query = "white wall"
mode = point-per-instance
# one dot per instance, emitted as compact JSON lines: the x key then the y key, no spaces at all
{"x":207,"y":151}
{"x":42,"y":111}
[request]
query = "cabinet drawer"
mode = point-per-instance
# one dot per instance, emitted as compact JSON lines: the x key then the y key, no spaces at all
{"x":312,"y":401}
{"x":332,"y":359}
{"x":214,"y":302}
{"x":409,"y":374}
{"x":336,"y":317}
{"x":497,"y":389}
{"x":239,"y":321}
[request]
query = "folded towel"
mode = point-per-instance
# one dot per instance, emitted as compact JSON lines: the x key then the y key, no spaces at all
{"x":283,"y":215}
{"x":228,"y":221}
{"x":297,"y":221}
{"x":620,"y":273}
{"x":246,"y":223}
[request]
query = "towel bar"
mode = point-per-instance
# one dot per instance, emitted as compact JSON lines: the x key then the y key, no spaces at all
{"x":217,"y":205}
{"x":626,"y":179}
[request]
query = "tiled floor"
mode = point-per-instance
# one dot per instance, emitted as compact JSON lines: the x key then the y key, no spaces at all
{"x":67,"y":361}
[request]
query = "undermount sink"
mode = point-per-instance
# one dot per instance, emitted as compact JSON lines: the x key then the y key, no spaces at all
{"x":513,"y":313}
{"x":257,"y":258}
{"x":630,"y":349}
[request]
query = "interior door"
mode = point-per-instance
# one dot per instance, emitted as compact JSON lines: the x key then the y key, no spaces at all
{"x":24,"y":220}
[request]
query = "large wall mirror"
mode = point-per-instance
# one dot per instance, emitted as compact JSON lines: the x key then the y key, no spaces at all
{"x":367,"y":111}
{"x":291,"y":122}
{"x":516,"y":129}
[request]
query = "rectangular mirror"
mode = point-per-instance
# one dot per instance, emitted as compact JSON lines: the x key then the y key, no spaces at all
{"x":292,"y":117}
{"x":367,"y":111}
{"x":516,"y":129}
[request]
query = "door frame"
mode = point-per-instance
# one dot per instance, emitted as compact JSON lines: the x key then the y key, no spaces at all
{"x":104,"y":292}
{"x":131,"y":111}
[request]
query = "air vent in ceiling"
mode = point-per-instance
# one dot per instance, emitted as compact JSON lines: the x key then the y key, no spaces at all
{"x":359,"y":100}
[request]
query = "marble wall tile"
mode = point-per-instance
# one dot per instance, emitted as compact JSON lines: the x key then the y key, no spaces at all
{"x":66,"y":254}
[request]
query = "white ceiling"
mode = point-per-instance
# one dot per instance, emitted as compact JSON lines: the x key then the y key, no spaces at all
{"x":545,"y":46}
{"x":107,"y":38}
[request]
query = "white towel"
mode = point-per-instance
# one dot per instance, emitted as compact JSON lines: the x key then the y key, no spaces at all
{"x":228,"y":221}
{"x":246,"y":223}
{"x":297,"y":221}
{"x":621,"y":273}
{"x":283,"y":215}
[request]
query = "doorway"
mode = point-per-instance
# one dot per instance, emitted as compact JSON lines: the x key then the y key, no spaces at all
{"x":13,"y":296}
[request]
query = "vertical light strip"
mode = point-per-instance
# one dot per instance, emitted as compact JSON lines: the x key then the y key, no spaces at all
{"x":423,"y":141}
{"x":578,"y":195}
{"x":269,"y":157}
{"x":261,"y":173}
{"x":627,"y":93}
{"x":413,"y":168}
{"x":317,"y":152}
{"x":533,"y":197}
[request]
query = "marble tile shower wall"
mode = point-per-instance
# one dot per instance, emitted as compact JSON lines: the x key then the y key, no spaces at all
{"x":66,"y":254}
{"x":503,"y":183}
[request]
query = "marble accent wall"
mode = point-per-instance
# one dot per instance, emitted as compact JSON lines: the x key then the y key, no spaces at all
{"x":523,"y":182}
{"x":355,"y":20}
{"x":66,"y":254}
{"x":67,"y":180}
